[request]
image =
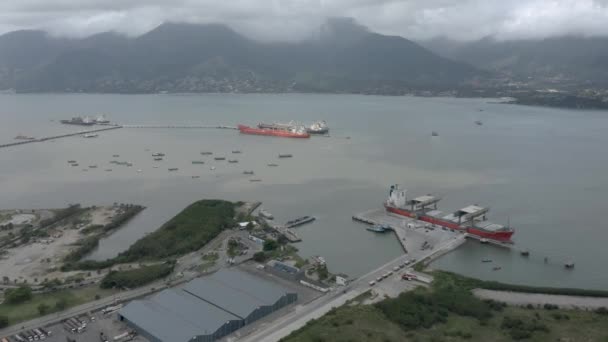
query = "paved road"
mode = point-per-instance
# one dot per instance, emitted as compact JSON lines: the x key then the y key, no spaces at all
{"x":297,"y":318}
{"x":519,"y":298}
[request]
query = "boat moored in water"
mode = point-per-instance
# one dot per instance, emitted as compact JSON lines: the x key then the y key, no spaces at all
{"x":318,"y":127}
{"x":275,"y":130}
{"x":470,"y":220}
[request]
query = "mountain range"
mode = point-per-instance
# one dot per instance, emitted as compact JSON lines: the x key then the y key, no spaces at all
{"x":562,"y":60}
{"x":177,"y":57}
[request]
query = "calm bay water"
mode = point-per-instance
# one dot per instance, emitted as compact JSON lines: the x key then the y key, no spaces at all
{"x":541,"y":169}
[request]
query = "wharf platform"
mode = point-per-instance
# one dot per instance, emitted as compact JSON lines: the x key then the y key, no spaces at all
{"x":287,"y":232}
{"x":181,"y":126}
{"x":414,"y":236}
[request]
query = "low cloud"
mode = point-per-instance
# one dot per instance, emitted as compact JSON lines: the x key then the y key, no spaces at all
{"x":299,"y":19}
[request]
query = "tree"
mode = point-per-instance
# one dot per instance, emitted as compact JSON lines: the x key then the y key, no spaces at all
{"x":43,"y":308}
{"x":3,"y":321}
{"x":270,"y":245}
{"x":61,"y":304}
{"x":19,"y":295}
{"x":259,"y":257}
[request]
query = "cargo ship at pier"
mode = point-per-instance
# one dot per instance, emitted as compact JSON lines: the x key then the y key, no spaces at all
{"x":470,"y":219}
{"x":276,"y":130}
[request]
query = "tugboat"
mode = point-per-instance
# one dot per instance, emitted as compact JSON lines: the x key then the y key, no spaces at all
{"x":318,"y":127}
{"x":379,"y":228}
{"x":247,"y":172}
{"x":569,"y":265}
{"x":102,"y":120}
{"x":497,"y":268}
{"x":525,"y":253}
{"x":486,"y":260}
{"x":232,"y":161}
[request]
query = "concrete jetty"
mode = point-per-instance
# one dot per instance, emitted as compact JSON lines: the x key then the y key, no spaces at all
{"x":181,"y":126}
{"x":58,"y":136}
{"x":414,"y":236}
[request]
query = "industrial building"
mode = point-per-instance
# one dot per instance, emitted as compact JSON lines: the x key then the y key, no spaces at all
{"x":206,"y":309}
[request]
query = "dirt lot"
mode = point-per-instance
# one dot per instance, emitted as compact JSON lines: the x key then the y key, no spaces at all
{"x":41,"y":258}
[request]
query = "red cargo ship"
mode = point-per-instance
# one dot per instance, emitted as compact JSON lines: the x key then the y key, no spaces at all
{"x":471,"y":219}
{"x":277,"y":130}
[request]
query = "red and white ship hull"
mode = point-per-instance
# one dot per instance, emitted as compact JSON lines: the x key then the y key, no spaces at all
{"x":272,"y":132}
{"x":502,"y":236}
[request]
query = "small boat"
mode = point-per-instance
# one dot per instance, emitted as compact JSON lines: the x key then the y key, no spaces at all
{"x":157,"y":154}
{"x":236,"y":151}
{"x":115,"y":155}
{"x":71,"y":161}
{"x":206,"y":153}
{"x":273,"y":165}
{"x":255,"y":180}
{"x":285,"y":155}
{"x":483,"y":240}
{"x":486,"y":260}
{"x":525,"y":252}
{"x":155,"y":166}
{"x":569,"y":265}
{"x":232,"y":161}
{"x":247,"y":172}
{"x":212,"y":168}
{"x":24,"y":137}
{"x":319,"y":127}
{"x":92,"y":166}
{"x":85,"y":170}
{"x":74,"y":164}
{"x":496,"y":268}
{"x":379,"y":228}
{"x":478,"y":123}
{"x":173,"y":169}
{"x":266,"y":214}
{"x":299,"y":221}
{"x":90,"y":135}
{"x":198,"y":162}
{"x":108,"y":170}
{"x":140,"y":170}
{"x":129,"y":164}
{"x":158,"y":158}
{"x":194,"y":177}
{"x":434,"y":134}
{"x":219,"y":158}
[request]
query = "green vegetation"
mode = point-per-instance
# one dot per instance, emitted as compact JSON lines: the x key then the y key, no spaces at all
{"x":56,"y":301}
{"x":62,"y":214}
{"x":471,"y":283}
{"x":233,"y":248}
{"x":18,"y":295}
{"x":136,"y":277}
{"x":448,"y":312}
{"x":188,"y":231}
{"x":270,"y":245}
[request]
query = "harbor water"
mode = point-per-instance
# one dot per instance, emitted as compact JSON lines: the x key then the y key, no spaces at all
{"x":540,"y":169}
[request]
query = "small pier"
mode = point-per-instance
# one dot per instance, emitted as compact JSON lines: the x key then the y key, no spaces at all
{"x":58,"y":136}
{"x":288,"y":233}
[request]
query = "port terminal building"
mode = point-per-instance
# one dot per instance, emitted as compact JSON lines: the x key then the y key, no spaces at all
{"x":206,"y":309}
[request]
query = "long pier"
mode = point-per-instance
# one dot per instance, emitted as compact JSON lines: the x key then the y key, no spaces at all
{"x":181,"y":126}
{"x":43,"y":139}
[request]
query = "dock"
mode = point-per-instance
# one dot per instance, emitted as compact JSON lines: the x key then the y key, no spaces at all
{"x":414,"y":236}
{"x":288,"y":233}
{"x":58,"y":136}
{"x":299,"y":221}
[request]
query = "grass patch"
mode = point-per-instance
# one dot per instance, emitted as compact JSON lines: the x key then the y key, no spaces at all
{"x":29,"y":310}
{"x":136,"y":277}
{"x":448,"y":312}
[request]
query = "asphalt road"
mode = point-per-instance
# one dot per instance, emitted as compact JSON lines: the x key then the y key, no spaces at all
{"x":296,"y":319}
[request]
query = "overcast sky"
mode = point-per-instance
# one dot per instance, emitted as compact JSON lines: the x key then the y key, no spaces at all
{"x":296,"y":19}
